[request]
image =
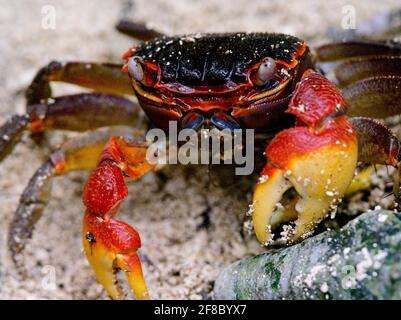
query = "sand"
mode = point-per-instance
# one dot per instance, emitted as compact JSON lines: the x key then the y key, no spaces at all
{"x":181,"y":256}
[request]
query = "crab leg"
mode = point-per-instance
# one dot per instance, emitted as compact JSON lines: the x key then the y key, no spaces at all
{"x":75,"y":154}
{"x":111,"y":244}
{"x":378,"y":145}
{"x":377,"y":97}
{"x":79,"y":112}
{"x":137,"y":30}
{"x":353,"y":70}
{"x":104,"y":77}
{"x":317,"y":158}
{"x":356,"y":48}
{"x":10,"y":131}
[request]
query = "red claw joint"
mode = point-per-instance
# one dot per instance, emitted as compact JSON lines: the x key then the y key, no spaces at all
{"x":110,"y":244}
{"x":316,"y":158}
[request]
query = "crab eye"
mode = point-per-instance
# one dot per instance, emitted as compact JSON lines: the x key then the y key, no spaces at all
{"x":135,"y":68}
{"x":265,"y":72}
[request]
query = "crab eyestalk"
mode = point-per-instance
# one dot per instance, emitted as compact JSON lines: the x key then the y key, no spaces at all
{"x":317,"y":158}
{"x":110,"y":244}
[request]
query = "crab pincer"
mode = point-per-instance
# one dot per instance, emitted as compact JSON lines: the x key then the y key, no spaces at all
{"x":110,"y":244}
{"x":317,"y":158}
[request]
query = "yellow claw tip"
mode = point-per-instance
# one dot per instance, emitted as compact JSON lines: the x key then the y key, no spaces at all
{"x":105,"y":263}
{"x":320,"y":180}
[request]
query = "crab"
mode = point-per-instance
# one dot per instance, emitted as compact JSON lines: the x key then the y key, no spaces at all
{"x":270,"y":83}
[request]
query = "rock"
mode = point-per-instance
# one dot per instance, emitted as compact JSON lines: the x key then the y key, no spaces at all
{"x":362,"y":260}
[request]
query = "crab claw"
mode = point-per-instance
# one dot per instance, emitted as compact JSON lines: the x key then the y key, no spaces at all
{"x":110,"y":244}
{"x":317,"y":159}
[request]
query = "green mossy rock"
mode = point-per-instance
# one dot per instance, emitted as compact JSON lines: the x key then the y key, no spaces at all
{"x":362,"y":260}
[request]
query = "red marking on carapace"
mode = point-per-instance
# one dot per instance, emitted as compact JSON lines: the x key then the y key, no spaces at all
{"x":117,"y":236}
{"x":229,"y":93}
{"x":128,"y":54}
{"x":315,"y":98}
{"x":104,"y":189}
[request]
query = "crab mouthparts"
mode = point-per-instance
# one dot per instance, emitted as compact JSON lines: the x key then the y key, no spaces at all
{"x":216,"y":119}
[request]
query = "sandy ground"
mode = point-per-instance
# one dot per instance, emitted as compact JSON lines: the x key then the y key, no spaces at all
{"x":181,"y":258}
